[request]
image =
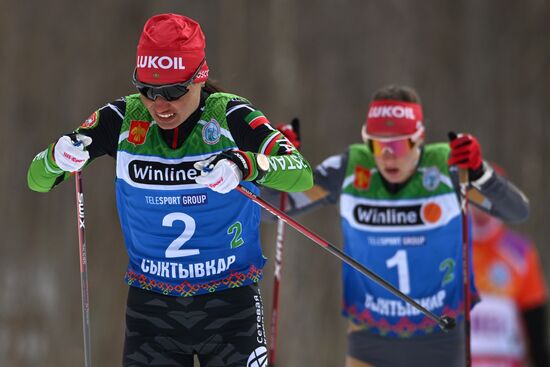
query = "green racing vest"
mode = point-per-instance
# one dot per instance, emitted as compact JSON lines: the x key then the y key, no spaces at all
{"x":411,"y":238}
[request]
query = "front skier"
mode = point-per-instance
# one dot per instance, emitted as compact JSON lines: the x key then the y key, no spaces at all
{"x":181,"y":147}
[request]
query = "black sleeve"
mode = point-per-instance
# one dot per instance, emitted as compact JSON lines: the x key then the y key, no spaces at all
{"x":106,"y":130}
{"x":499,"y":197}
{"x":247,"y":136}
{"x":535,"y":321}
{"x":328,"y":178}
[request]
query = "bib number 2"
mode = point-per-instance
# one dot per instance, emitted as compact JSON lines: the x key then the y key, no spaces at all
{"x":175,"y":248}
{"x":236,"y":229}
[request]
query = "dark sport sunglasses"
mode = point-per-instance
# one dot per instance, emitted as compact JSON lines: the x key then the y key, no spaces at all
{"x":169,"y":92}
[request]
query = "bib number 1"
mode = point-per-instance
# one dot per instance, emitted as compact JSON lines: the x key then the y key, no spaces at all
{"x":399,"y":260}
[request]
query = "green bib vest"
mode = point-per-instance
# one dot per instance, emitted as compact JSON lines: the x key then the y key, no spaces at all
{"x":411,"y":238}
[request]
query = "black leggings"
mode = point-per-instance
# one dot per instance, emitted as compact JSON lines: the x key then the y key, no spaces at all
{"x":436,"y":349}
{"x":224,"y":328}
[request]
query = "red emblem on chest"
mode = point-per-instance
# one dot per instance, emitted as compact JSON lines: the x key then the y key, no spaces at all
{"x":138,"y":132}
{"x":362,"y":178}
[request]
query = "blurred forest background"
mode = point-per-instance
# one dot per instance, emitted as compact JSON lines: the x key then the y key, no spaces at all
{"x":480,"y":66}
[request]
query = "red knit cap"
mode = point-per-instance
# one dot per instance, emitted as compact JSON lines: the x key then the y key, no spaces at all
{"x":170,"y":50}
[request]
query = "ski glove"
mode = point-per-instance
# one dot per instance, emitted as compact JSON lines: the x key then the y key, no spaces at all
{"x":466,"y":154}
{"x":69,"y":153}
{"x":291,"y":132}
{"x":224,"y":171}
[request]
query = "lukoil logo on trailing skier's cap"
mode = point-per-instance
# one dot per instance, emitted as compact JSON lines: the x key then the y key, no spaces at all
{"x":389,"y":117}
{"x":170,"y":49}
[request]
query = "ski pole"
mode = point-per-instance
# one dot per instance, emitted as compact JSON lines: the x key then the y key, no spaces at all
{"x":277,"y":281}
{"x":464,"y":182}
{"x":295,"y":123}
{"x":83,"y":270}
{"x":444,"y":322}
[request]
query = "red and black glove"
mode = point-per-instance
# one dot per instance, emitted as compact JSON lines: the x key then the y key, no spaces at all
{"x":291,"y":132}
{"x":466,"y":154}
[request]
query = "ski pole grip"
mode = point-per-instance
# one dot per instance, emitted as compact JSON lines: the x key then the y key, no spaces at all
{"x":463,"y":176}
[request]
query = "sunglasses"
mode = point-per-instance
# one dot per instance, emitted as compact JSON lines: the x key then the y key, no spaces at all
{"x":169,"y":92}
{"x":395,"y":145}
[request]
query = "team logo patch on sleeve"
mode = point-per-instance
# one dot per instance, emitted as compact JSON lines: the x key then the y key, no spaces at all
{"x":90,"y":121}
{"x":258,"y":121}
{"x":362,"y":178}
{"x":211,"y":132}
{"x":138,"y":131}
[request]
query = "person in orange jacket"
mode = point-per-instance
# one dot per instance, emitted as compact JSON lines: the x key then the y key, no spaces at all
{"x":509,"y":325}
